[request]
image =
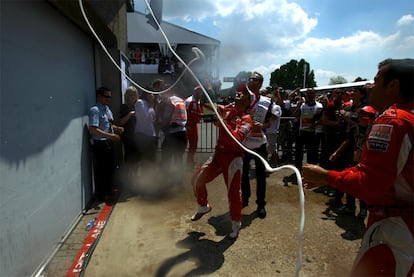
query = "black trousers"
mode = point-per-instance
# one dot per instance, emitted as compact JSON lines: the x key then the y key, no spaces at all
{"x":146,"y":147}
{"x":307,"y":139}
{"x":260,"y":176}
{"x":173,"y":148}
{"x":104,"y":167}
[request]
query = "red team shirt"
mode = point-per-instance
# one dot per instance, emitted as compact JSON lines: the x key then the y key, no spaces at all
{"x":194,"y":111}
{"x":384,"y":178}
{"x":239,"y":123}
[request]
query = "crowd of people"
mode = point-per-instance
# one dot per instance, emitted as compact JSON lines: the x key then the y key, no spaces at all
{"x":166,"y":64}
{"x":355,"y":145}
{"x":331,"y":129}
{"x":382,"y":176}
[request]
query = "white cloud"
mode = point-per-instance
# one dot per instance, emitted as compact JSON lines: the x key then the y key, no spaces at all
{"x":405,"y":20}
{"x":325,"y":73}
{"x":324,"y":76}
{"x":261,"y":35}
{"x":407,"y":43}
{"x":362,"y":40}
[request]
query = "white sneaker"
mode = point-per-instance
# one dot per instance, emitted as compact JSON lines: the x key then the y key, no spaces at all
{"x":236,"y":226}
{"x":202,"y":210}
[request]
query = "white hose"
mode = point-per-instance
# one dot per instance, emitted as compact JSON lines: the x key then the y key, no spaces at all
{"x":199,"y":54}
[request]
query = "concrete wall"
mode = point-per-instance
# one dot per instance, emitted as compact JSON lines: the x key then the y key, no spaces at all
{"x":47,"y":86}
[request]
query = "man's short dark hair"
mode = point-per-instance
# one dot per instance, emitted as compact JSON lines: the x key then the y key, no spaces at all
{"x":101,"y":90}
{"x":260,"y":75}
{"x":403,"y":71}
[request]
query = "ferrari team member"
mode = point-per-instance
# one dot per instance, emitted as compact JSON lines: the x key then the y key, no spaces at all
{"x":194,"y":113}
{"x":227,"y":159}
{"x":384,"y":177}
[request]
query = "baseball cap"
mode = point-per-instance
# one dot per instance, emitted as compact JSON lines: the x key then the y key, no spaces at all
{"x":369,"y":109}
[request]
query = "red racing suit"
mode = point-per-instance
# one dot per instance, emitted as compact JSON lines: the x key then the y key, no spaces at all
{"x":194,"y":113}
{"x":227,"y":159}
{"x":384,"y":179}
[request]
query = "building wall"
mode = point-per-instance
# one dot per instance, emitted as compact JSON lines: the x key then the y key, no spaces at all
{"x":118,"y":26}
{"x":47,"y":86}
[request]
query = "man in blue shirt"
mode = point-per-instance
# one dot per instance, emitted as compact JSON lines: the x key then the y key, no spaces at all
{"x":103,"y":134}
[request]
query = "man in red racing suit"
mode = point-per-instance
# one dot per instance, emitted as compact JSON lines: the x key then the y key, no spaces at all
{"x":384,"y":178}
{"x":194,"y":113}
{"x":227,"y":159}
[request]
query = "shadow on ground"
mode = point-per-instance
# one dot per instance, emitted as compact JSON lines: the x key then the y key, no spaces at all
{"x":208,"y":255}
{"x":354,"y":226}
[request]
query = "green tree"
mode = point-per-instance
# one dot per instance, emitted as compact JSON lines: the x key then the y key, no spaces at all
{"x":337,"y":80}
{"x":291,"y":75}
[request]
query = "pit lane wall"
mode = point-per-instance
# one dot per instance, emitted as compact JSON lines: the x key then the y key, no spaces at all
{"x":50,"y":67}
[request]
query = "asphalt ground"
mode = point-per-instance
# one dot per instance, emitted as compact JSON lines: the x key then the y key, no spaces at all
{"x":149,"y":233}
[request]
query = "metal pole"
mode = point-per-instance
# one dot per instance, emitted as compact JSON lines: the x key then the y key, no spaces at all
{"x":304,"y":75}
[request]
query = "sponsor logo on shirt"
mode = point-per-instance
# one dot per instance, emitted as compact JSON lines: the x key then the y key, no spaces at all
{"x":381,"y":132}
{"x":379,"y":137}
{"x":378,"y":145}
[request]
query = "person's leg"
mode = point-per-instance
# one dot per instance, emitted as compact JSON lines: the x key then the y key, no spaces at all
{"x":203,"y":175}
{"x":148,"y":148}
{"x":299,"y":143}
{"x":232,"y":167}
{"x":98,"y":169}
{"x":260,"y":177}
{"x":176,"y":146}
{"x":232,"y":178}
{"x":245,"y":182}
{"x":349,"y":207}
{"x":350,"y":203}
{"x":323,"y":157}
{"x":363,"y":211}
{"x":111,"y":163}
{"x":173,"y":149}
{"x":192,"y":138}
{"x":181,"y":145}
{"x":289,"y":141}
{"x":166,"y":149}
{"x":261,"y":182}
{"x":104,"y":165}
{"x":272,"y":149}
{"x":311,"y":148}
{"x":387,"y":249}
{"x":129,"y":152}
{"x":377,"y":261}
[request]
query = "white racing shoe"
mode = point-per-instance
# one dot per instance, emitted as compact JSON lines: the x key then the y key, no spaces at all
{"x":202,"y":210}
{"x":236,"y":226}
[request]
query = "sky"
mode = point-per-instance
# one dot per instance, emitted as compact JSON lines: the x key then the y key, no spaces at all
{"x":337,"y":38}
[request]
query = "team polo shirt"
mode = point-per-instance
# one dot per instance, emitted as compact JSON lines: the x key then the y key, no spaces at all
{"x":307,"y":114}
{"x":260,"y":109}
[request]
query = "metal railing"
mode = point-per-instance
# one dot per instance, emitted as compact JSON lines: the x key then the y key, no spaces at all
{"x":208,"y":133}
